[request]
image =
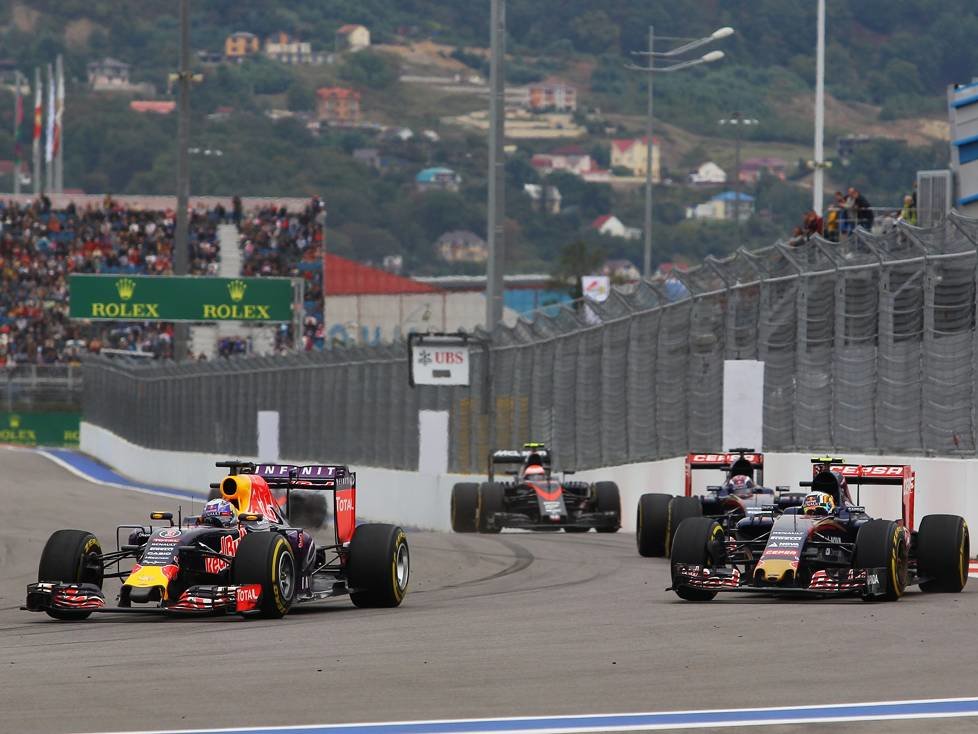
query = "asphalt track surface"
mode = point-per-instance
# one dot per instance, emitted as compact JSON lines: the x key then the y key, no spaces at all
{"x":508,"y":625}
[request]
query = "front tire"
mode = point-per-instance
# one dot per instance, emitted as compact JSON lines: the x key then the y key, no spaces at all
{"x":651,"y":522}
{"x":379,"y":566}
{"x":490,"y":502}
{"x":608,"y":499}
{"x":943,"y":551}
{"x":71,"y":557}
{"x":266,"y":558}
{"x":698,"y":542}
{"x":882,"y":544}
{"x":465,"y":507}
{"x":680,"y":508}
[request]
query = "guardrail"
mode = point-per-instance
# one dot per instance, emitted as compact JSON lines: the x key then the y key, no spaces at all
{"x":30,"y":387}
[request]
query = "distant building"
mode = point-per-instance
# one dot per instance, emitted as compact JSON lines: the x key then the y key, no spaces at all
{"x":707,"y":174}
{"x":621,"y":271}
{"x":611,"y":226}
{"x":352,"y":37}
{"x":723,"y":207}
{"x":159,"y":108}
{"x":462,"y":246}
{"x":750,"y":170}
{"x":368,"y":157}
{"x":545,"y":198}
{"x":571,"y":159}
{"x":633,"y":154}
{"x":280,"y":47}
{"x":240,"y":45}
{"x":338,"y":105}
{"x":397,"y":134}
{"x":552,"y":94}
{"x":108,"y":75}
{"x":437,"y":179}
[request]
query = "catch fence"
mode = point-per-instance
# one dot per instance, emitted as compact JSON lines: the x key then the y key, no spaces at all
{"x":868,"y":345}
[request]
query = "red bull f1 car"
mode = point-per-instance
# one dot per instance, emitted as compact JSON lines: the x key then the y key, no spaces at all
{"x":829,"y":546}
{"x":535,"y":498}
{"x":241,"y":555}
{"x":742,"y":490}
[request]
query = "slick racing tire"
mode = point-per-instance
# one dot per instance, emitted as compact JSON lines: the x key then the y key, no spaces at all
{"x":698,"y":541}
{"x":490,"y":502}
{"x":465,"y":507}
{"x":679,"y":509}
{"x":71,"y":557}
{"x":379,"y":566}
{"x":650,"y":524}
{"x":943,"y":550}
{"x":882,"y":544}
{"x":608,"y":499}
{"x":575,"y":529}
{"x":266,"y":558}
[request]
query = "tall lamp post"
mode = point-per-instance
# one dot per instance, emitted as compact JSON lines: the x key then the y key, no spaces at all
{"x":686,"y":45}
{"x":739,"y":122}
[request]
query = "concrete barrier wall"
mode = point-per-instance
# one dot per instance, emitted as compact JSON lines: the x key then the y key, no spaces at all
{"x":420,"y":500}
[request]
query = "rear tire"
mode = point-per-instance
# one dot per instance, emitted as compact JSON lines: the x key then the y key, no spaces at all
{"x":266,"y":558}
{"x":697,"y":542}
{"x":882,"y":544}
{"x":679,"y":509}
{"x":651,"y":521}
{"x":379,"y":566}
{"x":71,"y":557}
{"x":943,"y":552}
{"x":465,"y":507}
{"x":608,"y":499}
{"x":490,"y":502}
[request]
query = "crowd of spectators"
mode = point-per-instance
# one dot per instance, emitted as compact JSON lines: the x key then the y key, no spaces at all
{"x":41,"y":246}
{"x":848,"y":211}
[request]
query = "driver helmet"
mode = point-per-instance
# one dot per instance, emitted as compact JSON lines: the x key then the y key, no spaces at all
{"x":219,"y":513}
{"x":740,"y":485}
{"x":818,"y":503}
{"x":533,"y":470}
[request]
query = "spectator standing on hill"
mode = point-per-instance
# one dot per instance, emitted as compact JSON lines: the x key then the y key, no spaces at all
{"x":864,"y":212}
{"x":909,"y":212}
{"x":812,"y":224}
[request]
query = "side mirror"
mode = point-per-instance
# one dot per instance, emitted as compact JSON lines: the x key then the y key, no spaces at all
{"x":783,"y":488}
{"x":571,"y":471}
{"x":250,"y":517}
{"x":168,"y":516}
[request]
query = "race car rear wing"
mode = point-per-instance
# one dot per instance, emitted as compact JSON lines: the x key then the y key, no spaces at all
{"x":519,"y":456}
{"x":329,"y":477}
{"x":886,"y":474}
{"x":744,"y":462}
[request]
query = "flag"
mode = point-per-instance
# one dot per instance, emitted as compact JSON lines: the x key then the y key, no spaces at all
{"x":38,"y":114}
{"x":49,"y":135}
{"x":18,"y":121}
{"x":59,"y":108}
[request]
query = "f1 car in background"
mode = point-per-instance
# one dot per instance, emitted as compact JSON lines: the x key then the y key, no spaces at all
{"x":241,"y":555}
{"x":829,"y":546}
{"x":660,"y":514}
{"x":535,"y":499}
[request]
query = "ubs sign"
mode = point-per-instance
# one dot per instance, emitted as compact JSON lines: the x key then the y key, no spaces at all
{"x":179,"y":298}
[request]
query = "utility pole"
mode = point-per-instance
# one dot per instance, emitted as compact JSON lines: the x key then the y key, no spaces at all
{"x":497,"y":168}
{"x":181,"y":264}
{"x":647,"y":259}
{"x":818,"y":181}
{"x":738,"y":121}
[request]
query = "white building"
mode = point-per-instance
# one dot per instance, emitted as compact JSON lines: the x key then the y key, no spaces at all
{"x":352,"y":37}
{"x":280,"y":47}
{"x":707,"y":174}
{"x":611,"y":226}
{"x":723,"y":207}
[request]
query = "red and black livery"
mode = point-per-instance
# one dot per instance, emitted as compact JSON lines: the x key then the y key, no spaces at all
{"x":258,"y":563}
{"x":536,"y":498}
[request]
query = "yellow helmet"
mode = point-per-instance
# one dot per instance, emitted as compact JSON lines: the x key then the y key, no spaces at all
{"x":818,"y":503}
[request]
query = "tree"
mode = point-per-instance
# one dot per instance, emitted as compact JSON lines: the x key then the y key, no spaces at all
{"x":576,"y":259}
{"x":301,"y":97}
{"x":370,"y":69}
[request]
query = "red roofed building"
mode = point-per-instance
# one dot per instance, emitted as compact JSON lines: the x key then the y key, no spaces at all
{"x":352,"y":37}
{"x":345,"y":277}
{"x":338,"y":104}
{"x":633,"y":155}
{"x":160,"y":108}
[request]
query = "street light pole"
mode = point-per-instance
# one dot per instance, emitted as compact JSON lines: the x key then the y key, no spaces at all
{"x":497,"y":169}
{"x":181,"y":259}
{"x":647,"y":259}
{"x":688,"y":45}
{"x":818,"y":180}
{"x":738,"y":120}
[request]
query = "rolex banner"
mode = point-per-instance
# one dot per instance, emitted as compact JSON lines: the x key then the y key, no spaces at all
{"x":40,"y":429}
{"x":179,"y":298}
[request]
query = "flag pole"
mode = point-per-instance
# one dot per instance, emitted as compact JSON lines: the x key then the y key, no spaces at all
{"x":49,"y":136}
{"x":18,"y":118}
{"x":59,"y":129}
{"x":38,"y":124}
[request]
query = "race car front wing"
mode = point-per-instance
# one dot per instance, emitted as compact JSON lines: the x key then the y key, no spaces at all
{"x":203,"y":599}
{"x":824,"y":582}
{"x":597,"y":520}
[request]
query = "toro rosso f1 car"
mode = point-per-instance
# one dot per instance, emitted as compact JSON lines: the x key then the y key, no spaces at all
{"x":240,"y":556}
{"x":535,"y":499}
{"x":660,"y":514}
{"x":829,"y":546}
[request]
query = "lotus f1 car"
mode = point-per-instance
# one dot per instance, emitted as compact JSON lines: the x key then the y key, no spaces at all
{"x":829,"y":546}
{"x":254,"y":562}
{"x":535,"y":499}
{"x":742,"y":490}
